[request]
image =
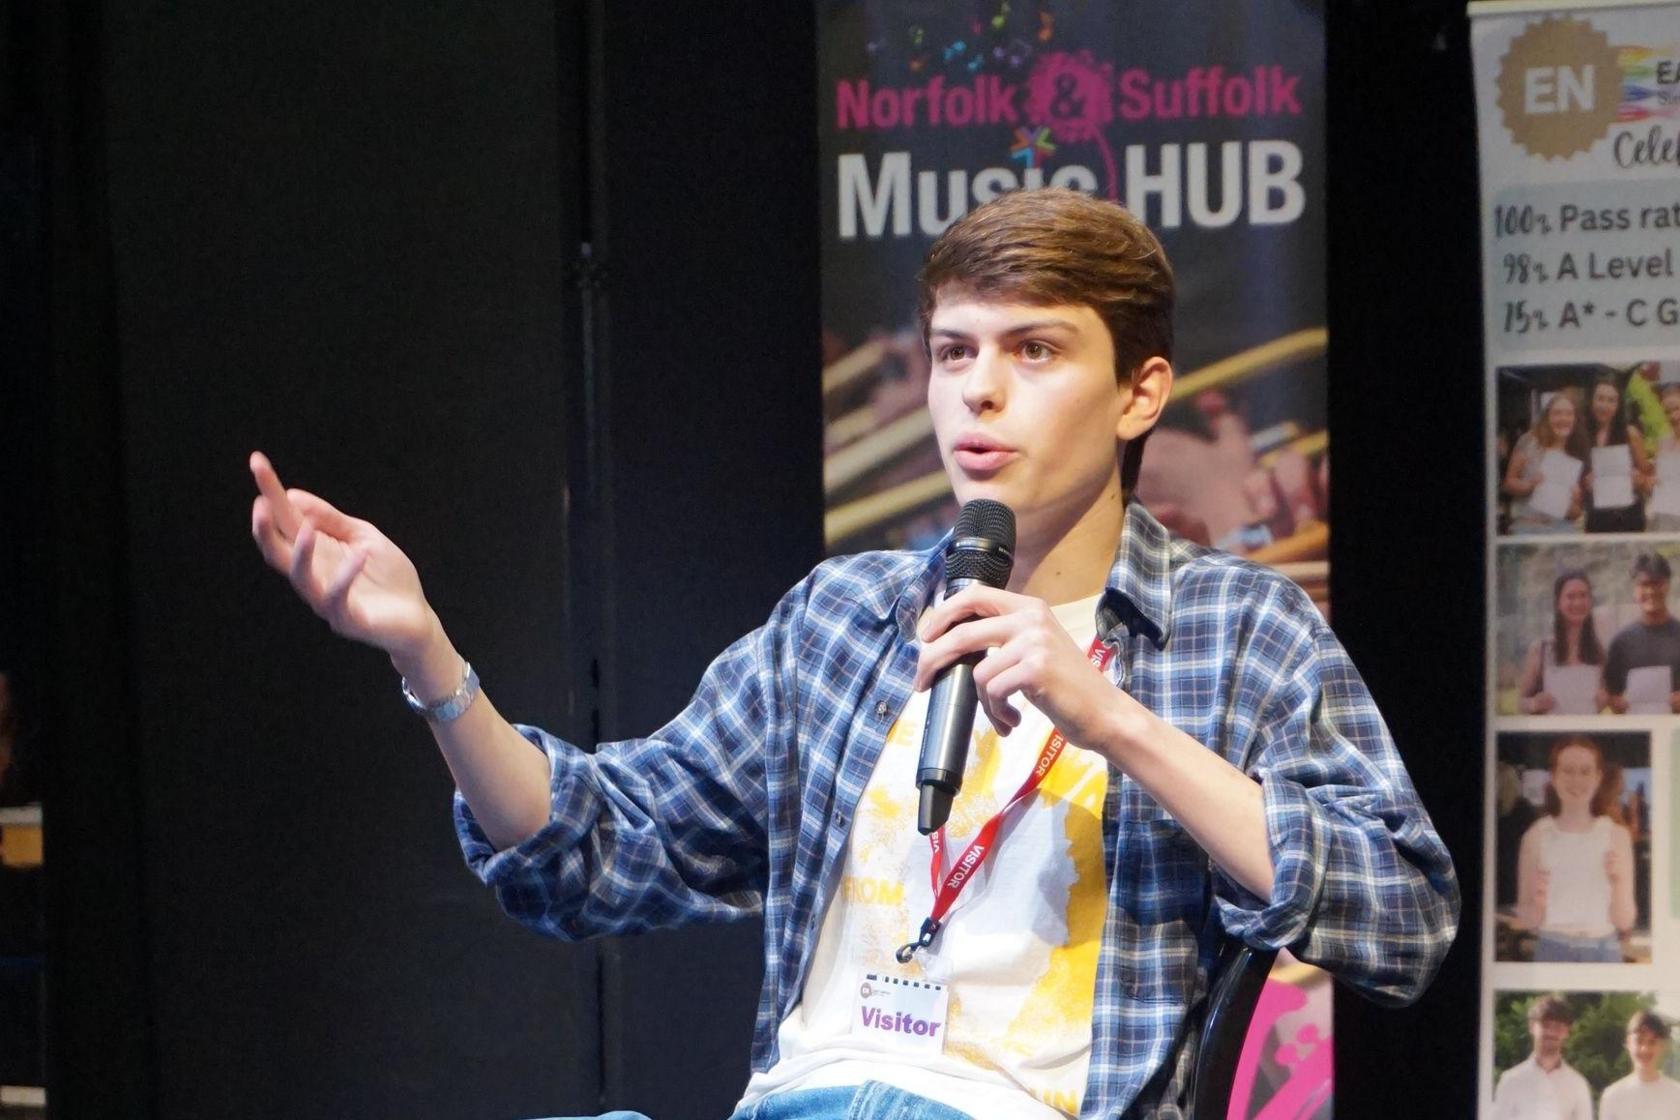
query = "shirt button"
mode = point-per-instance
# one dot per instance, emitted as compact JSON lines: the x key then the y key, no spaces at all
{"x":880,"y":709}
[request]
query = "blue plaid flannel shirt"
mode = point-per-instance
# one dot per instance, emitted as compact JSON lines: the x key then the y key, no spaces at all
{"x":742,"y":804}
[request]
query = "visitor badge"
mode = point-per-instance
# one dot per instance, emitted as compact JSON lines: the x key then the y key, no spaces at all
{"x":904,"y":1014}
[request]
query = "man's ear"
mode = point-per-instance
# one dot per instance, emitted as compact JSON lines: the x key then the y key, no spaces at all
{"x":1151,"y":384}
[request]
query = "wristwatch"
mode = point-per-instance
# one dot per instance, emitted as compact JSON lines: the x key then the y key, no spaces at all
{"x":451,"y":706}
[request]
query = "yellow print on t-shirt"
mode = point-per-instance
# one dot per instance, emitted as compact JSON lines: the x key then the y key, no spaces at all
{"x":867,"y":890}
{"x":1049,"y":1010}
{"x":1064,"y":996}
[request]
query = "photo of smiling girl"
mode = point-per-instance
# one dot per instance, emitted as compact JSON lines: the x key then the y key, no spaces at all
{"x":1619,"y":473}
{"x":1543,"y":475}
{"x":1563,"y":671}
{"x":1580,"y":869}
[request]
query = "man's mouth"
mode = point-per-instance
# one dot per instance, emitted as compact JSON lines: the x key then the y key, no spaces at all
{"x":977,"y":453}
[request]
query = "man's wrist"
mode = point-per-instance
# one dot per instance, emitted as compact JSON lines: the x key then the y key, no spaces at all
{"x":1126,"y":729}
{"x":433,"y":671}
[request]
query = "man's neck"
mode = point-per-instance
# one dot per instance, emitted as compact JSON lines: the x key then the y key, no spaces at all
{"x":1550,"y":1065}
{"x":1062,"y":559}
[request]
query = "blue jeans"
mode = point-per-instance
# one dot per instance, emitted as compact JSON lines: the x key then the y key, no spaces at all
{"x":869,"y":1101}
{"x":1567,"y":947}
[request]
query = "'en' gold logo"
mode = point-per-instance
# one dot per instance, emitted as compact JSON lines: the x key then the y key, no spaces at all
{"x":1559,"y":87}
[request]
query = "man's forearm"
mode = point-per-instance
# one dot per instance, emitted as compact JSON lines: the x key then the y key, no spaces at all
{"x":1219,"y":805}
{"x":502,"y":776}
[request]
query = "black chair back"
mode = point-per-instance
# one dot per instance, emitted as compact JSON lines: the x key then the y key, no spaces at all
{"x":1240,"y":976}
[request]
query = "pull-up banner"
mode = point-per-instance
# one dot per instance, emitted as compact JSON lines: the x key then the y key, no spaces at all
{"x":1206,"y":119}
{"x":1579,"y":117}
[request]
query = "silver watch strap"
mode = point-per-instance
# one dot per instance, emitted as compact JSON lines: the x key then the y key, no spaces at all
{"x":451,"y":706}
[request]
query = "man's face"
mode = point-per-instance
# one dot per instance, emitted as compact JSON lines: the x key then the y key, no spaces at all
{"x":1647,"y":1050}
{"x":1651,"y":596}
{"x":1025,"y":405}
{"x":1548,"y":1035}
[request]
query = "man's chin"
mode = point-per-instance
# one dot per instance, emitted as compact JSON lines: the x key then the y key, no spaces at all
{"x":967,"y":489}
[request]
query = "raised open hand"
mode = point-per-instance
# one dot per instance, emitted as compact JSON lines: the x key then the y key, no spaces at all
{"x":345,"y":569}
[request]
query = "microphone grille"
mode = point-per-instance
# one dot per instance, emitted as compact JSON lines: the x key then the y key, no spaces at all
{"x":982,"y":544}
{"x":985,"y":518}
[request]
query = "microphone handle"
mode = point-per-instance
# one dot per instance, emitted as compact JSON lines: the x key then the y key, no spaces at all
{"x":945,"y":738}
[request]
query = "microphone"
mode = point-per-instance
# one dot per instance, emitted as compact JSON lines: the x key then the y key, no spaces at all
{"x":982,"y":550}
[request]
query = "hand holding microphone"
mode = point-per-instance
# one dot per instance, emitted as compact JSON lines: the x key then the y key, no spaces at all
{"x":983,"y":644}
{"x":982,"y":550}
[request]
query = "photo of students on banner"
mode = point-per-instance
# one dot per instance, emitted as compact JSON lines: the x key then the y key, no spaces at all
{"x":1576,"y":120}
{"x":1573,"y":847}
{"x":1577,"y":1055}
{"x":1588,"y":448}
{"x":1587,"y":629}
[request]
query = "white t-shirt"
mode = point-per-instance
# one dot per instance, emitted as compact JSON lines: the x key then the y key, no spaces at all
{"x":1633,"y":1099}
{"x":1578,"y":887}
{"x":1527,"y":1092}
{"x":1019,"y":949}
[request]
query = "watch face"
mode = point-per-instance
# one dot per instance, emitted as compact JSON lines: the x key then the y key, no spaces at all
{"x":450,"y":706}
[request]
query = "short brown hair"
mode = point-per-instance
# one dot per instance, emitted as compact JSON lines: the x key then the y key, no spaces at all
{"x":1550,"y":1008}
{"x":1648,"y":1022}
{"x":1061,"y":246}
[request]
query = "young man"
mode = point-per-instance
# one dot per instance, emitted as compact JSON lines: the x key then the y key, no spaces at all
{"x":1644,"y":1094}
{"x":1228,"y":774}
{"x":1544,"y":1086}
{"x":1644,"y":656}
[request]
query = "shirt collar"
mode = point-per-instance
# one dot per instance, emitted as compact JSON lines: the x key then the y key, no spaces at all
{"x":1534,"y":1063}
{"x":908,"y":605}
{"x":1138,"y":595}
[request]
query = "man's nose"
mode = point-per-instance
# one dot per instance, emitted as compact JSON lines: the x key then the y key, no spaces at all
{"x":984,"y":383}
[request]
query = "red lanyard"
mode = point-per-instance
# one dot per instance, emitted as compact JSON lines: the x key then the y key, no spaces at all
{"x":947,"y":885}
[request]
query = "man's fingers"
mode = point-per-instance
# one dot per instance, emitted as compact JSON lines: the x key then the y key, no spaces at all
{"x":275,"y":549}
{"x":971,"y":636}
{"x":285,"y":517}
{"x":977,"y":599}
{"x":303,"y":553}
{"x":1004,"y":718}
{"x":339,"y":590}
{"x":996,"y":686}
{"x":327,"y":517}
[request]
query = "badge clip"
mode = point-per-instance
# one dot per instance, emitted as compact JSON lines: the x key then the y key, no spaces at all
{"x":930,"y":930}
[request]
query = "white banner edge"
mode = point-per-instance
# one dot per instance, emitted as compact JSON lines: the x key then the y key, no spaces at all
{"x":1519,"y":7}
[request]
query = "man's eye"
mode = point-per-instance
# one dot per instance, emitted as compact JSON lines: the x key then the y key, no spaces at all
{"x":1035,"y":351}
{"x":953,"y":353}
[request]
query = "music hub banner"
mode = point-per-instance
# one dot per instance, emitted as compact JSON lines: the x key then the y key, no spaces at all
{"x":1207,"y":119}
{"x":1578,"y":110}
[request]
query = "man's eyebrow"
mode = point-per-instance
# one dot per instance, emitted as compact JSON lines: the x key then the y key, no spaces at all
{"x":1042,"y":325}
{"x":1037,"y":325}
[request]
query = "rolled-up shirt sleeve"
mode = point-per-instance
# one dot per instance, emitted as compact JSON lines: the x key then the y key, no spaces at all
{"x":1362,"y":885}
{"x":653,"y":832}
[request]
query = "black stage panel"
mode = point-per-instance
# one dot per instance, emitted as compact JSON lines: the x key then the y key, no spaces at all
{"x":705,"y":216}
{"x":340,"y":233}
